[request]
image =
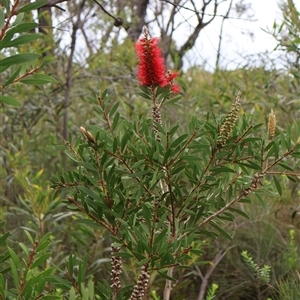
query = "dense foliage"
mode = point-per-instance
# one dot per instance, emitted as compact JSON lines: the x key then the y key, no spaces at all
{"x":153,"y":193}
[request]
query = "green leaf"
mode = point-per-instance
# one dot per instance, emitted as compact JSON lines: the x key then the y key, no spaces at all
{"x":40,"y":260}
{"x":4,"y":237}
{"x":115,"y":121}
{"x":9,"y":100}
{"x":167,"y":259}
{"x":23,"y":39}
{"x":218,"y":228}
{"x":32,"y":6}
{"x":82,"y":269}
{"x":285,"y":166}
{"x":91,"y":289}
{"x":12,"y":78}
{"x":164,"y":275}
{"x":24,"y":248}
{"x":2,"y":286}
{"x":62,"y":282}
{"x":125,"y":255}
{"x":24,"y":27}
{"x":2,"y":18}
{"x":160,"y":236}
{"x":44,"y":239}
{"x":37,"y":79}
{"x":34,"y":280}
{"x":18,"y":19}
{"x":29,"y":237}
{"x":223,"y":169}
{"x":277,"y":184}
{"x":113,"y":110}
{"x":17,"y":59}
{"x":15,"y":258}
{"x":178,"y":141}
{"x":295,"y":154}
{"x":239,"y":212}
{"x":14,"y":273}
{"x":262,"y":202}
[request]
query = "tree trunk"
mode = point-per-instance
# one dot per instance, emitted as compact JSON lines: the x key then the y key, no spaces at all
{"x":135,"y":29}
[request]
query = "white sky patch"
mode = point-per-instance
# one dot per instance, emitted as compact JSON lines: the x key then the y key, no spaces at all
{"x":236,"y":42}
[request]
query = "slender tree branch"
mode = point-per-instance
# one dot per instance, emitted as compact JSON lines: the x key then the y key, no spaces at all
{"x":221,"y":36}
{"x":69,"y":80}
{"x":208,"y":273}
{"x":118,"y":21}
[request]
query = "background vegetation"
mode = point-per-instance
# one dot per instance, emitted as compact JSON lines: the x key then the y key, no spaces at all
{"x":45,"y":92}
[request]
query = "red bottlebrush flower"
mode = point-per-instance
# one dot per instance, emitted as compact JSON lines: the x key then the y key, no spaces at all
{"x":151,"y":68}
{"x":170,"y":80}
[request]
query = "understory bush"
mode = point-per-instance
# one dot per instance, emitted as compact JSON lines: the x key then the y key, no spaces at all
{"x":150,"y":206}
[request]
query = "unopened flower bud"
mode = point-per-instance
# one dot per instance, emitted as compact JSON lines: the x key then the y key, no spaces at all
{"x":272,"y":124}
{"x":87,"y":134}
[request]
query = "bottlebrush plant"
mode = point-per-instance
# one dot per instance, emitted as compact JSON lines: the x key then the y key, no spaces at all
{"x":159,"y":189}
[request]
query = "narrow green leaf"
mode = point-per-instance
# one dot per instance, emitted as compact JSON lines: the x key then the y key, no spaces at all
{"x":223,"y":169}
{"x":82,"y":269}
{"x":167,"y":259}
{"x":24,"y":248}
{"x":71,"y":264}
{"x":173,"y":130}
{"x":113,"y":110}
{"x":164,"y":275}
{"x":40,"y":260}
{"x":91,"y":289}
{"x":9,"y":100}
{"x":17,"y":59}
{"x":33,"y":6}
{"x":44,"y":239}
{"x":160,"y":236}
{"x":295,"y":154}
{"x":2,"y":18}
{"x":218,"y":228}
{"x":2,"y":286}
{"x":18,"y":19}
{"x":4,"y":237}
{"x":239,"y":212}
{"x":125,"y":255}
{"x":27,"y":291}
{"x":115,"y":121}
{"x":24,"y":27}
{"x":15,"y":258}
{"x":277,"y":184}
{"x":23,"y":39}
{"x":29,"y":237}
{"x":178,"y":141}
{"x":262,"y":202}
{"x":37,"y":79}
{"x":285,"y":166}
{"x":12,"y":78}
{"x":14,"y":273}
{"x":72,"y":294}
{"x":63,"y":282}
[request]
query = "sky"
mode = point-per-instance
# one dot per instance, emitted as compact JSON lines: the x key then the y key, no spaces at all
{"x":236,"y":42}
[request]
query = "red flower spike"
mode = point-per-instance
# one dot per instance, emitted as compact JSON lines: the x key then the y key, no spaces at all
{"x":151,"y":70}
{"x":170,"y":79}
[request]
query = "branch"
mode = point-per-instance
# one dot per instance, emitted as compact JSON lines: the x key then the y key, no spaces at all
{"x":221,"y":36}
{"x":118,"y":21}
{"x":69,"y":80}
{"x":178,"y":6}
{"x":208,"y":273}
{"x":190,"y":42}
